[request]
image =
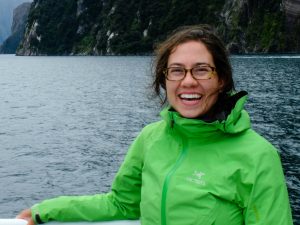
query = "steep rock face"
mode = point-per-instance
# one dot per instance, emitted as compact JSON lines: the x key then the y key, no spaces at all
{"x":113,"y":27}
{"x":234,"y":16}
{"x":256,"y":26}
{"x":6,"y":16}
{"x":20,"y":15}
{"x":292,"y":8}
{"x":51,"y":28}
{"x":292,"y":23}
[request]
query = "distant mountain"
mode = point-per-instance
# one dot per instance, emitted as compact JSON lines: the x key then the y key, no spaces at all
{"x":6,"y":16}
{"x":116,"y":27}
{"x":20,"y":15}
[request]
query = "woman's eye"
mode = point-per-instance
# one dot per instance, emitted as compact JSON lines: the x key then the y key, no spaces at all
{"x":176,"y":70}
{"x":201,"y":69}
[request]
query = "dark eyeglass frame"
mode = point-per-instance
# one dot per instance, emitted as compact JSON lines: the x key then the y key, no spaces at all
{"x":211,"y":73}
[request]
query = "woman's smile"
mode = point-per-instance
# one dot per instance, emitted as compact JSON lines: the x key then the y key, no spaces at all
{"x":190,"y":99}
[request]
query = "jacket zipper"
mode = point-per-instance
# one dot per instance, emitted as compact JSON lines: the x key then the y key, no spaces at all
{"x":167,"y":181}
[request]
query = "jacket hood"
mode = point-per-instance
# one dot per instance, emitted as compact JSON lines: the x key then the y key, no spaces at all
{"x":232,"y":119}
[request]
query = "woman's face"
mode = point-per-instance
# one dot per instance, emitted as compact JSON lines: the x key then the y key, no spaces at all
{"x":189,"y":97}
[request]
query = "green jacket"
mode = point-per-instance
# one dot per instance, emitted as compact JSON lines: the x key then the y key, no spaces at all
{"x":182,"y":171}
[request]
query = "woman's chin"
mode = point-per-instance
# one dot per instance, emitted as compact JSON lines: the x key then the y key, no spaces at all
{"x":191,"y":113}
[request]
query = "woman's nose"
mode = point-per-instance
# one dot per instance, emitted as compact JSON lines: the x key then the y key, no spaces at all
{"x":189,"y":80}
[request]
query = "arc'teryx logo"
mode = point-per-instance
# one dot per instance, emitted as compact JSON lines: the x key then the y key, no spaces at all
{"x":197,"y":178}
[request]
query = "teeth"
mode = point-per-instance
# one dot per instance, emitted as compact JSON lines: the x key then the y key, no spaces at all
{"x":190,"y":96}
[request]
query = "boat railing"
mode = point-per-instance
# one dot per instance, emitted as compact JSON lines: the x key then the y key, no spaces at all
{"x":24,"y":222}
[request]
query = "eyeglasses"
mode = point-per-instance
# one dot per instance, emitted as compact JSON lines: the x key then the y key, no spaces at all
{"x":199,"y":72}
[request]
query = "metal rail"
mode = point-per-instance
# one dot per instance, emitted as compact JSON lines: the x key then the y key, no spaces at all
{"x":24,"y":222}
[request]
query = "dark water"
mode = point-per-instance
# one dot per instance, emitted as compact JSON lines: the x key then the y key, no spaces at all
{"x":66,"y":122}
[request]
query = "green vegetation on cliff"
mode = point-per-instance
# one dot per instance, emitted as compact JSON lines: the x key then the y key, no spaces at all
{"x":101,"y":27}
{"x":266,"y":30}
{"x":57,"y":26}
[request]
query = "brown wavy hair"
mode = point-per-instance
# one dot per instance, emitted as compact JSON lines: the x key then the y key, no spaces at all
{"x":204,"y":34}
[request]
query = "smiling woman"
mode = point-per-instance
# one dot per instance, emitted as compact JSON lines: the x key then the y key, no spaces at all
{"x":202,"y":164}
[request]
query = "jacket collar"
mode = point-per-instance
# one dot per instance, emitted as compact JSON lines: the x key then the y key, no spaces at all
{"x":231,"y":119}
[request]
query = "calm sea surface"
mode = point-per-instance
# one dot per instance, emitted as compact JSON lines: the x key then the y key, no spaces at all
{"x":66,"y":122}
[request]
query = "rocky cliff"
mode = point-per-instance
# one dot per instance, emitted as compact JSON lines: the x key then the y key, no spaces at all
{"x":267,"y":26}
{"x":114,"y":27}
{"x":6,"y":16}
{"x":292,"y":23}
{"x":20,"y":15}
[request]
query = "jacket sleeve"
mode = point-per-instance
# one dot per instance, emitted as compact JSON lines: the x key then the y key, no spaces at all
{"x":122,"y":202}
{"x":268,"y":202}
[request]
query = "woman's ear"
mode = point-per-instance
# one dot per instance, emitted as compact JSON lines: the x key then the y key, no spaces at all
{"x":221,"y":85}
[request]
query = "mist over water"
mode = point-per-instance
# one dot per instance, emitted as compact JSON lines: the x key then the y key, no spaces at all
{"x":67,"y":122}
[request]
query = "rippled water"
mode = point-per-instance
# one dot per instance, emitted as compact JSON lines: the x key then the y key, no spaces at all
{"x":66,"y":122}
